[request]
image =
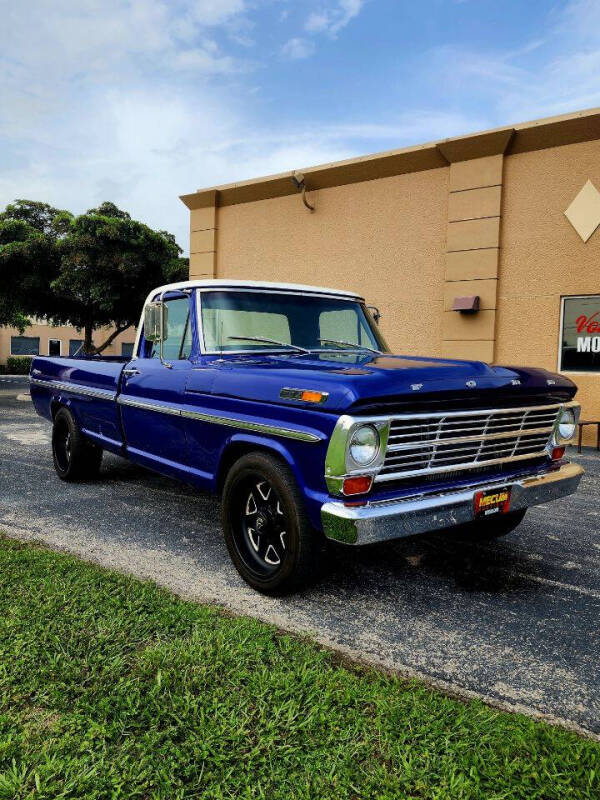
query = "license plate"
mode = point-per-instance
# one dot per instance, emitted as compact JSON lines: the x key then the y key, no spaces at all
{"x":491,"y":501}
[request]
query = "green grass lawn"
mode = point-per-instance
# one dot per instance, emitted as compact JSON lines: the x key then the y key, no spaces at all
{"x":111,"y":687}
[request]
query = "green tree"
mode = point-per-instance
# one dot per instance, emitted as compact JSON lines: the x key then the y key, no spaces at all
{"x":90,"y":271}
{"x":29,"y":233}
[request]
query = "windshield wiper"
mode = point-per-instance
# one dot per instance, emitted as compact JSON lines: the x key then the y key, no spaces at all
{"x":269,"y":341}
{"x":350,"y":345}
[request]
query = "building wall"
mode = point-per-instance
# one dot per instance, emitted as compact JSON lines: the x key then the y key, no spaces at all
{"x":543,"y":258}
{"x":413,"y":229}
{"x":383,"y":238}
{"x":62,"y":332}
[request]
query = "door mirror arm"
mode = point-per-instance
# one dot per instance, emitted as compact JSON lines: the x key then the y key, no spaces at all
{"x":375,"y":313}
{"x":164,"y":329}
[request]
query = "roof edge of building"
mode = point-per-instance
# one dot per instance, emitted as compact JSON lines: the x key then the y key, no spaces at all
{"x":524,"y":137}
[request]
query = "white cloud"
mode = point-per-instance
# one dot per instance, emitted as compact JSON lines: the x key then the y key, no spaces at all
{"x":298,"y":48}
{"x":204,"y":59}
{"x":332,"y":20}
{"x":317,"y":22}
{"x":579,"y":18}
{"x":553,"y":74}
{"x":348,"y":9}
{"x":138,"y":101}
{"x":215,"y":12}
{"x":102,"y":98}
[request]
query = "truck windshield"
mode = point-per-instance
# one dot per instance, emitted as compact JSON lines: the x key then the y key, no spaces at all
{"x":290,"y":322}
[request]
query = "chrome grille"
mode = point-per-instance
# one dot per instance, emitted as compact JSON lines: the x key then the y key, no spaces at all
{"x":430,"y":443}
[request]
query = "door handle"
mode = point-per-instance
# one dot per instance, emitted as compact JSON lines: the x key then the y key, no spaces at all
{"x":129,"y":372}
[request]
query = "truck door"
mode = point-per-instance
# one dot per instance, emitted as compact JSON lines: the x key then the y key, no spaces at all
{"x":151,"y":395}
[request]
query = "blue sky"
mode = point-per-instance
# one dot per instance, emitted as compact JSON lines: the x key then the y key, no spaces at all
{"x":138,"y":101}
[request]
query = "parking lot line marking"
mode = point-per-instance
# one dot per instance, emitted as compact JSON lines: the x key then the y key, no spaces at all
{"x":559,"y":584}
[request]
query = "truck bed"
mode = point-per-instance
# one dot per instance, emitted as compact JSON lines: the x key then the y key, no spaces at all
{"x":93,"y":381}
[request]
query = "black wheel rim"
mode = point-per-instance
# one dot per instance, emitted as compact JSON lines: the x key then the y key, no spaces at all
{"x":61,"y":441}
{"x":261,"y":527}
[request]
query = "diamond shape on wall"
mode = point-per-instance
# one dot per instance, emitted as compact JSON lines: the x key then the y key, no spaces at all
{"x":584,"y":211}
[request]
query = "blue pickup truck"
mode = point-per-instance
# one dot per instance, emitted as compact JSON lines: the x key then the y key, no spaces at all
{"x":286,"y":401}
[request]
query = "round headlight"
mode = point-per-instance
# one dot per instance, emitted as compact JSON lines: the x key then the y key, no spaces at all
{"x":567,"y":424}
{"x":364,"y":445}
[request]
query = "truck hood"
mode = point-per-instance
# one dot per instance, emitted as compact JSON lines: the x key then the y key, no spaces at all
{"x":355,"y":380}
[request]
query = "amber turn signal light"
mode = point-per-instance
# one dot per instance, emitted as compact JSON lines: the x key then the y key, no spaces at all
{"x":304,"y":395}
{"x":357,"y":485}
{"x":558,"y":453}
{"x":312,"y":397}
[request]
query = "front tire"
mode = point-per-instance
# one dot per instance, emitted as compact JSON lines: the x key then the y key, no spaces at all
{"x":75,"y":458}
{"x":269,"y":537}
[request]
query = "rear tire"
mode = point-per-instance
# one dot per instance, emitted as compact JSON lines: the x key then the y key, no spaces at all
{"x":75,"y":458}
{"x":268,"y":534}
{"x":489,"y":529}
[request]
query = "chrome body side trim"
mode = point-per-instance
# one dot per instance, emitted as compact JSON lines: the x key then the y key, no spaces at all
{"x":398,"y":518}
{"x":86,"y":391}
{"x":124,"y":400}
{"x":146,"y":405}
{"x":255,"y":427}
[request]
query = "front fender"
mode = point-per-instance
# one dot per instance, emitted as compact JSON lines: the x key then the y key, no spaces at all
{"x":306,"y":461}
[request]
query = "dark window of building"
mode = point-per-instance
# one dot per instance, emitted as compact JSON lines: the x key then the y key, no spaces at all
{"x":53,"y":347}
{"x":75,"y":346}
{"x":580,"y":334}
{"x":127,"y":349}
{"x":24,"y":345}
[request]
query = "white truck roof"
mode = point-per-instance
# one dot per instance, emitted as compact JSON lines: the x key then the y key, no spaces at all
{"x":225,"y":283}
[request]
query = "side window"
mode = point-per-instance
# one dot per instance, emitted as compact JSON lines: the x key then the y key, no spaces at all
{"x":178,"y":342}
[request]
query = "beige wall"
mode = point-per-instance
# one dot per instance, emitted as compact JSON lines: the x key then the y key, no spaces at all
{"x":383,"y":238}
{"x":542,"y":258}
{"x":64,"y":333}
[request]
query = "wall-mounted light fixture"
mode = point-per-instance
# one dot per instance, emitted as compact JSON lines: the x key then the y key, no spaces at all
{"x":466,"y":305}
{"x":300,"y":184}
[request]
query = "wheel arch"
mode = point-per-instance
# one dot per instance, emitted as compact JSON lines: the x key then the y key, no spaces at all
{"x":240,"y":445}
{"x":55,"y":405}
{"x":57,"y":402}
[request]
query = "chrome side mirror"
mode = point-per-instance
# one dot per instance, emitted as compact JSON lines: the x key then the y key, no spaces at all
{"x":156,"y":326}
{"x":375,"y":313}
{"x":156,"y":322}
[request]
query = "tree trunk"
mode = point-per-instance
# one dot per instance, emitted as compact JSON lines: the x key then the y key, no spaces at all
{"x":97,"y":350}
{"x":88,"y":347}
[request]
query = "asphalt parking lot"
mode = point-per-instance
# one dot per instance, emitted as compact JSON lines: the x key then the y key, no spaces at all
{"x":514,"y":621}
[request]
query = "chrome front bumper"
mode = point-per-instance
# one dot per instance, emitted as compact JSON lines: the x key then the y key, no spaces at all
{"x":393,"y":519}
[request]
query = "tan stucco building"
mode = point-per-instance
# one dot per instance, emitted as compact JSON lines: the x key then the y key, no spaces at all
{"x":508,"y":216}
{"x":44,"y":339}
